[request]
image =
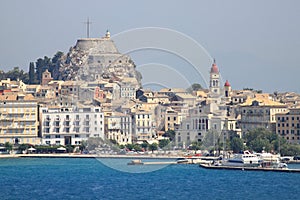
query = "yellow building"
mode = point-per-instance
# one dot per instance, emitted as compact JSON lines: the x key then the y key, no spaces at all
{"x":171,"y":119}
{"x":288,"y":125}
{"x":18,"y":119}
{"x":259,"y":112}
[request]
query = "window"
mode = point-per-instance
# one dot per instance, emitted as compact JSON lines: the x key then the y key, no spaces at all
{"x":179,"y":139}
{"x":57,"y":136}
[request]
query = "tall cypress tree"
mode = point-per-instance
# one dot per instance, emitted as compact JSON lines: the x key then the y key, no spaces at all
{"x":32,"y":79}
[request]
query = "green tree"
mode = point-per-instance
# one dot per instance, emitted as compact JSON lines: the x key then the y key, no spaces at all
{"x":8,"y":146}
{"x":194,"y":87}
{"x":32,"y":75}
{"x":130,"y":146}
{"x":23,"y":147}
{"x":41,"y":65}
{"x":237,"y":144}
{"x":163,"y":143}
{"x":153,"y":147}
{"x":55,"y":65}
{"x":144,"y":145}
{"x":83,"y":145}
{"x":195,"y":146}
{"x":170,"y":134}
{"x":262,"y":139}
{"x":137,"y":147}
{"x":69,"y":148}
{"x":290,"y":150}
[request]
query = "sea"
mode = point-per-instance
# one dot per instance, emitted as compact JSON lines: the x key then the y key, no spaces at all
{"x":91,"y":178}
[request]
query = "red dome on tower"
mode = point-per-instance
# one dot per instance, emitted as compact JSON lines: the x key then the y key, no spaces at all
{"x":227,"y":84}
{"x":214,"y":68}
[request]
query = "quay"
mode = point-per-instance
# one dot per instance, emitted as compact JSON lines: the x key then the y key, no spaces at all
{"x":73,"y":155}
{"x":249,"y":168}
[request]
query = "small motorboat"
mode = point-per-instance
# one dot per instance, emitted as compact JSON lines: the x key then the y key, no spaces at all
{"x":135,"y":162}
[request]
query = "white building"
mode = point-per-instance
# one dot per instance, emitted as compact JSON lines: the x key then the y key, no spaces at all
{"x":70,"y":126}
{"x":119,"y":128}
{"x":143,"y":126}
{"x":201,"y":121}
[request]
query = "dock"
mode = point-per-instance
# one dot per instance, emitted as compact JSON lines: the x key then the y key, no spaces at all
{"x":250,"y":168}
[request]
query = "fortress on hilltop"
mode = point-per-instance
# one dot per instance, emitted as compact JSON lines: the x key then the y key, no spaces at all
{"x":93,"y":59}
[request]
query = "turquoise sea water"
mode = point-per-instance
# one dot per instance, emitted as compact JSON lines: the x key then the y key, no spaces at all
{"x":71,"y":178}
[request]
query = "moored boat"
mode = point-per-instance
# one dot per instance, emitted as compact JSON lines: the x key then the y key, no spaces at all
{"x":246,"y":159}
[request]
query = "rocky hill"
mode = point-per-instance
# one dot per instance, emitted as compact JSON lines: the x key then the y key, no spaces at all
{"x":93,"y":59}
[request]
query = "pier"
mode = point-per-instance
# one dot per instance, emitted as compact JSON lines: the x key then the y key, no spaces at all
{"x":250,"y":168}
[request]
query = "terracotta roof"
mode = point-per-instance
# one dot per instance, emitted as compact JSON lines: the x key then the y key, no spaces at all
{"x":263,"y":100}
{"x":14,"y":97}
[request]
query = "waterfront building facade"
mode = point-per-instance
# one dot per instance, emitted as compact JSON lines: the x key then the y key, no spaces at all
{"x":288,"y":125}
{"x":143,"y":126}
{"x":119,"y":128}
{"x":70,"y":126}
{"x":259,"y":112}
{"x":18,"y":119}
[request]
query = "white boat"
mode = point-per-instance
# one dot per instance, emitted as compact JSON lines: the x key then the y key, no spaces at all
{"x":269,"y":160}
{"x":246,"y":159}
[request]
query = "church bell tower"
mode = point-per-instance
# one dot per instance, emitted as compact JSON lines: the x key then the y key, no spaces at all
{"x":214,"y":83}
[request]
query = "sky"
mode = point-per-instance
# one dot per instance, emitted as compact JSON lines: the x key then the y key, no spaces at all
{"x":255,"y":43}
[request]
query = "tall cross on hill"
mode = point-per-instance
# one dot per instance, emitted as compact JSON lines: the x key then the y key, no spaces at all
{"x":88,"y":27}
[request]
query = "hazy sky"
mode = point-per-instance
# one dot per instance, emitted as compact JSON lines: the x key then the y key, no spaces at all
{"x":256,"y":43}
